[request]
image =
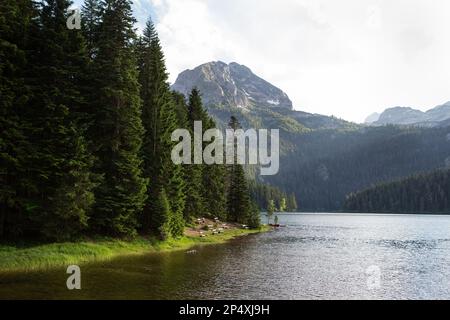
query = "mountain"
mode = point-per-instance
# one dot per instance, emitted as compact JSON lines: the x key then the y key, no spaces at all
{"x":231,"y":85}
{"x":372,"y":118}
{"x":322,"y":158}
{"x":233,"y":89}
{"x":409,"y":116}
{"x":326,"y":165}
{"x":445,"y":123}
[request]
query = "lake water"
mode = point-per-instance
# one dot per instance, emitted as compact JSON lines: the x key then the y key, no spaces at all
{"x":316,"y":256}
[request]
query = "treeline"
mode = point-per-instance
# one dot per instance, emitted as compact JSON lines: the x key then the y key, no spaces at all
{"x":327,"y":165}
{"x":86,"y":119}
{"x":425,"y":193}
{"x":263,"y":194}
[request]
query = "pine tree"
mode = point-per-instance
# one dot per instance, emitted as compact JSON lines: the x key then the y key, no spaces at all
{"x":163,"y":219}
{"x":160,"y":119}
{"x":283,"y":205}
{"x":238,"y":203}
{"x":181,"y":108}
{"x":58,"y":163}
{"x":177,"y":224}
{"x":118,"y":129}
{"x":254,"y":220}
{"x":213,"y":191}
{"x":270,"y":210}
{"x":210,"y":190}
{"x":17,"y":23}
{"x":292,"y":203}
{"x":91,"y":14}
{"x":194,"y":172}
{"x":91,"y":18}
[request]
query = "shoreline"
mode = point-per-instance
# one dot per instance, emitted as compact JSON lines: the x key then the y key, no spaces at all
{"x":38,"y":257}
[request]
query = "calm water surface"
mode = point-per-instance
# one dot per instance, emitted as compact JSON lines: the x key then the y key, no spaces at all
{"x":322,"y":256}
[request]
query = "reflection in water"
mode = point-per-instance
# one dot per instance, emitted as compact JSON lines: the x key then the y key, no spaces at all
{"x":315,"y":257}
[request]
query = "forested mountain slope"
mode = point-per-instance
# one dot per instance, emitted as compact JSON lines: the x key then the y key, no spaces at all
{"x":322,"y":158}
{"x":425,"y":193}
{"x":327,"y":165}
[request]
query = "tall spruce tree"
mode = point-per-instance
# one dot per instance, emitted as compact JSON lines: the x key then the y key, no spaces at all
{"x":195,"y":205}
{"x":17,"y":23}
{"x":239,"y":204}
{"x":118,"y":129}
{"x":292,"y":203}
{"x":213,"y":189}
{"x":162,"y":206}
{"x":181,"y":108}
{"x":91,"y":17}
{"x":160,"y":119}
{"x":60,"y":195}
{"x":91,"y":13}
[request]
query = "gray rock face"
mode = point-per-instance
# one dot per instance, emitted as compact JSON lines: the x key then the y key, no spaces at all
{"x":409,"y":116}
{"x":232,"y":85}
{"x":372,"y":118}
{"x":400,"y":115}
{"x":439,"y":113}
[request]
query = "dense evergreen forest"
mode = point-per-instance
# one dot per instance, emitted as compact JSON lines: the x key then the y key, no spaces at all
{"x":264,"y":193}
{"x":86,"y":118}
{"x":322,"y":159}
{"x":323,"y":166}
{"x":425,"y":193}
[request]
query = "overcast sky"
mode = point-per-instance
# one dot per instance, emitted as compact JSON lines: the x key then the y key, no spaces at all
{"x":346,"y":58}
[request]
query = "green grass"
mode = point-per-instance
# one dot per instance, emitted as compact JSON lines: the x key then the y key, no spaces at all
{"x":45,"y":256}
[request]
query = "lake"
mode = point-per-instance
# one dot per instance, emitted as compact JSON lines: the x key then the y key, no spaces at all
{"x":316,"y":256}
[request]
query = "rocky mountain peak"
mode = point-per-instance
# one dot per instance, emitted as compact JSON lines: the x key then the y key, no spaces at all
{"x":231,"y":85}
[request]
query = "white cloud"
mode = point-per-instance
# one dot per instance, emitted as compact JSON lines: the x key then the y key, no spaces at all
{"x":374,"y":20}
{"x":347,"y":58}
{"x":189,"y":35}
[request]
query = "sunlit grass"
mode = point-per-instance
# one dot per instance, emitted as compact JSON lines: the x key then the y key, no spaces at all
{"x":45,"y":256}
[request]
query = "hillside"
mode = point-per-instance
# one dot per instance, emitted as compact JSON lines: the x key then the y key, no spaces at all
{"x":233,"y":89}
{"x":326,"y":165}
{"x":322,"y":158}
{"x":426,"y":193}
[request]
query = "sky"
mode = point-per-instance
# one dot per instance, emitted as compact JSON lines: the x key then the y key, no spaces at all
{"x":347,"y":58}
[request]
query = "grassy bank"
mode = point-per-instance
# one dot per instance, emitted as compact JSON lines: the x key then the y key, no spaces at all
{"x":44,"y":256}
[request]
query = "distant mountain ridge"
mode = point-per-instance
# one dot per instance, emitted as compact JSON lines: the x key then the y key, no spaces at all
{"x":409,"y":116}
